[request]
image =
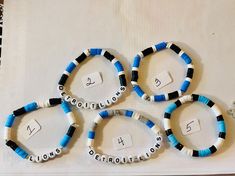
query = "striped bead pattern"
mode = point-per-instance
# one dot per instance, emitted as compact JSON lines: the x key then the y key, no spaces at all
{"x":221,"y":128}
{"x":80,"y":103}
{"x":126,"y":159}
{"x":166,"y":96}
{"x":32,"y":107}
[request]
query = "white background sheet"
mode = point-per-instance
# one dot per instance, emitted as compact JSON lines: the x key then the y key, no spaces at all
{"x":41,"y":37}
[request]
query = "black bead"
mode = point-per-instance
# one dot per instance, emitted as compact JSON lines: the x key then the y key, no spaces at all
{"x":55,"y":101}
{"x":63,"y":79}
{"x":108,"y":56}
{"x":147,"y":51}
{"x":175,"y":48}
{"x":71,"y":131}
{"x":81,"y":58}
{"x":173,"y":95}
{"x":19,"y":111}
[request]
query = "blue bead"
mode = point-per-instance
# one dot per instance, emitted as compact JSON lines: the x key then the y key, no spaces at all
{"x":104,"y":114}
{"x":70,"y":67}
{"x":150,"y":124}
{"x":118,"y":66}
{"x":95,"y":51}
{"x":31,"y":107}
{"x":173,"y":140}
{"x":221,"y":126}
{"x":186,"y":58}
{"x":65,"y":140}
{"x":65,"y":106}
{"x":203,"y":99}
{"x":161,"y":46}
{"x":91,"y":134}
{"x":171,"y":108}
{"x":185,"y":86}
{"x":138,"y":90}
{"x":128,"y":113}
{"x":159,"y":98}
{"x":203,"y":153}
{"x":136,"y":61}
{"x":21,"y":152}
{"x":10,"y":120}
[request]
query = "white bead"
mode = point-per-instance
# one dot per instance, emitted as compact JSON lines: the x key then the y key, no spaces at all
{"x":90,"y":142}
{"x":141,"y":157}
{"x":110,"y":159}
{"x":114,"y":99}
{"x":98,"y":119}
{"x":38,"y":159}
{"x":130,"y":159}
{"x":118,"y":94}
{"x":97,"y":156}
{"x":187,"y":151}
{"x":60,"y":88}
{"x":219,"y":143}
{"x":93,"y":106}
{"x":122,"y":89}
{"x":152,"y":98}
{"x":45,"y":157}
{"x":52,"y":155}
{"x":168,"y":44}
{"x":179,"y":93}
{"x":79,"y":104}
{"x":91,"y":152}
{"x":86,"y":105}
{"x":102,"y":105}
{"x":157,"y":146}
{"x":136,"y":116}
{"x":71,"y":118}
{"x":186,"y":98}
{"x":67,"y":98}
{"x":216,"y":110}
{"x":117,"y":160}
{"x":86,"y":52}
{"x":147,"y":155}
{"x":166,"y":123}
{"x":156,"y":129}
{"x":63,"y":94}
{"x":58,"y":151}
{"x":166,"y":96}
{"x":152,"y":150}
{"x":31,"y":158}
{"x":108,"y":102}
{"x":7,"y":133}
{"x":104,"y":158}
{"x":124,"y":159}
{"x":74,"y":101}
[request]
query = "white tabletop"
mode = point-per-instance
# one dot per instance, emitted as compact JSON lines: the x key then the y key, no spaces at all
{"x":41,"y":37}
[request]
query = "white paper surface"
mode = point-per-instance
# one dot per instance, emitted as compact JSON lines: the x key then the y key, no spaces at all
{"x":41,"y":37}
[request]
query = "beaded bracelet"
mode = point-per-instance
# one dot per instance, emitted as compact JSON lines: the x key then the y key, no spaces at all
{"x":124,"y":159}
{"x":220,"y":125}
{"x":77,"y":61}
{"x":166,"y":96}
{"x":32,"y":107}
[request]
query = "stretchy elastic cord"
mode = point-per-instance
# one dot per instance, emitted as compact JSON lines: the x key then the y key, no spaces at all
{"x":166,"y":96}
{"x":123,"y":159}
{"x":79,"y":103}
{"x":32,"y":107}
{"x":220,"y":126}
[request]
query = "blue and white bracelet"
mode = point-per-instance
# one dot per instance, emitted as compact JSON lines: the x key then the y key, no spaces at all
{"x":220,"y":126}
{"x":123,"y":159}
{"x":32,"y":107}
{"x":91,"y":105}
{"x":166,"y":96}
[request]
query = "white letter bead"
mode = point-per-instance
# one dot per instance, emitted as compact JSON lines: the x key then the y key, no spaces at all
{"x":67,"y":98}
{"x":141,"y":157}
{"x":102,"y":105}
{"x":58,"y":151}
{"x":45,"y":157}
{"x":159,"y":138}
{"x":124,"y":159}
{"x":93,"y":106}
{"x":147,"y":155}
{"x":52,"y":155}
{"x":79,"y":104}
{"x":122,"y":89}
{"x":152,"y":150}
{"x":60,"y":87}
{"x":108,"y":102}
{"x":31,"y":158}
{"x":130,"y":159}
{"x":117,"y":160}
{"x":136,"y":159}
{"x":110,"y":159}
{"x":91,"y":152}
{"x":157,"y":146}
{"x":38,"y":159}
{"x":114,"y":99}
{"x":118,"y":94}
{"x":97,"y":157}
{"x":74,"y":101}
{"x":86,"y":105}
{"x":104,"y":158}
{"x":63,"y":94}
